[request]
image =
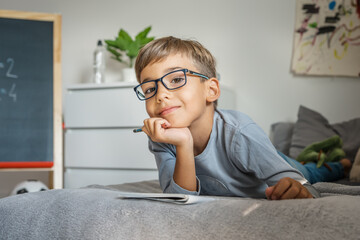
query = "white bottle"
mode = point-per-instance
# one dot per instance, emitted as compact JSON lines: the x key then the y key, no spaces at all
{"x":99,"y":63}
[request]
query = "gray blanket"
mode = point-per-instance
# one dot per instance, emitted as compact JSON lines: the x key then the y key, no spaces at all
{"x":96,"y":212}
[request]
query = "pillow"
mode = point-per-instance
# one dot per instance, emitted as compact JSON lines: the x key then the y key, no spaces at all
{"x":312,"y":127}
{"x":355,"y":170}
{"x":280,"y":135}
{"x":350,"y":133}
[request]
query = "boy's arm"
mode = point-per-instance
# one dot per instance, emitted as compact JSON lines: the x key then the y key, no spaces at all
{"x":184,"y":172}
{"x":257,"y":155}
{"x":159,"y":130}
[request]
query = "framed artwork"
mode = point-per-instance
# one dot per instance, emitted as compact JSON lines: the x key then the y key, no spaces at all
{"x":327,"y":38}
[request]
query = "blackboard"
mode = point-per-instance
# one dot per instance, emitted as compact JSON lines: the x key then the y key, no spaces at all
{"x":26,"y":92}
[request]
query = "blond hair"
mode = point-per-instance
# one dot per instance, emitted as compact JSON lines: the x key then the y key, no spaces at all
{"x":161,"y":48}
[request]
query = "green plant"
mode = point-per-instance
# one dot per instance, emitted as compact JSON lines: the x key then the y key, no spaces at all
{"x":124,"y":44}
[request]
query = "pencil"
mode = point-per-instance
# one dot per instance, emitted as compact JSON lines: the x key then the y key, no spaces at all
{"x":136,"y":130}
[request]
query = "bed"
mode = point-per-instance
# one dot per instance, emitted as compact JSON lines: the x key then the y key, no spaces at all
{"x":101,"y":212}
{"x":97,"y":212}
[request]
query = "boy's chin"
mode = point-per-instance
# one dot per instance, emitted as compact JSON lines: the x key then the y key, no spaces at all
{"x":175,"y":124}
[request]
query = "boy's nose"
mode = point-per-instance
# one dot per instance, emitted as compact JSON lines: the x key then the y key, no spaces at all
{"x":162,"y":92}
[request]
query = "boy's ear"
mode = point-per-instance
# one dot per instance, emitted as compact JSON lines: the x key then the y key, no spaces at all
{"x":213,"y":90}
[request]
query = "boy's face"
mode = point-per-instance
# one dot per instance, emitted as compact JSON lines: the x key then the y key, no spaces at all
{"x":182,"y":106}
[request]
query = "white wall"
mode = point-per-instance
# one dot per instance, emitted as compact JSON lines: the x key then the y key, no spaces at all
{"x":251,"y":40}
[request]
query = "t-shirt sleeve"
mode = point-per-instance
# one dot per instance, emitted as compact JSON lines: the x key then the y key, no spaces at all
{"x":254,"y":154}
{"x":165,"y":156}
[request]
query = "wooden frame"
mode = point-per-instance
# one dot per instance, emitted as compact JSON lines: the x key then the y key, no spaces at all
{"x":56,"y":172}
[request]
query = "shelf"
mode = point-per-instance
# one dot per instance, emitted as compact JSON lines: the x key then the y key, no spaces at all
{"x":86,"y":86}
{"x":26,"y":169}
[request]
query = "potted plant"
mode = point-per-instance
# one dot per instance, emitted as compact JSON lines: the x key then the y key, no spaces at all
{"x":125,"y":45}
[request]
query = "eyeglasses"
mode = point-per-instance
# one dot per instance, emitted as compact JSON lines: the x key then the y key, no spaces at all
{"x":172,"y":80}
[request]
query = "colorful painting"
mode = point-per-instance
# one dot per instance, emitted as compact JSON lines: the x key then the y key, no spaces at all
{"x":327,"y":38}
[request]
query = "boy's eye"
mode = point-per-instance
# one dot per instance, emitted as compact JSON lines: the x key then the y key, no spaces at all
{"x":149,"y":90}
{"x":177,"y":80}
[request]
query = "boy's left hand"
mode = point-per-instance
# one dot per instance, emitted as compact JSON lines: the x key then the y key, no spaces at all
{"x":287,"y":188}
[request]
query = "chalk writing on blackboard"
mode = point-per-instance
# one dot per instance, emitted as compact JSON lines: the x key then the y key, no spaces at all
{"x":7,"y":70}
{"x":8,"y":93}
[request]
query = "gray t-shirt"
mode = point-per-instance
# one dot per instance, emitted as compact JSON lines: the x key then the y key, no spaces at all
{"x":239,"y":160}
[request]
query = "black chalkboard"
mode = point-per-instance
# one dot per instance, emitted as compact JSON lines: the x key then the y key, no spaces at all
{"x":26,"y":93}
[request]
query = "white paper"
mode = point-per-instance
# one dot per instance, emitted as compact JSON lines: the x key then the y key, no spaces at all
{"x":166,"y":197}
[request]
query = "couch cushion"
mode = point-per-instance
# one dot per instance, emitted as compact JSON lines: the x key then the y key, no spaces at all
{"x":280,"y":135}
{"x":349,"y":131}
{"x":355,"y":170}
{"x":312,"y":127}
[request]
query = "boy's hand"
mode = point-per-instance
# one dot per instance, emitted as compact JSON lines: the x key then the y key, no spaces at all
{"x":159,"y":130}
{"x":287,"y":188}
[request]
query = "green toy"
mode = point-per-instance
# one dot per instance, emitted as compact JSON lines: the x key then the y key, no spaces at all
{"x":329,"y":150}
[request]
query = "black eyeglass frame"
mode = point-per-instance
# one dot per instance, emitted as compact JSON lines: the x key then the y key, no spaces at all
{"x":161,"y":80}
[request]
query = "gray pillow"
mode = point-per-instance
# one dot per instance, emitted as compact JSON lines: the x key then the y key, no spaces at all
{"x":312,"y":127}
{"x":349,"y":131}
{"x":280,"y":135}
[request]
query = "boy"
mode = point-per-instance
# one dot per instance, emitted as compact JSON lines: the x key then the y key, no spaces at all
{"x":198,"y":148}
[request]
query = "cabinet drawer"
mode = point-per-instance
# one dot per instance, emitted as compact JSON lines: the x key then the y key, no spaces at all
{"x":107,"y":148}
{"x":76,"y":178}
{"x":106,"y":107}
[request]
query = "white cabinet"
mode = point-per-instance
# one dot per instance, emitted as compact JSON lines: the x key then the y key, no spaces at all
{"x":100,"y":146}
